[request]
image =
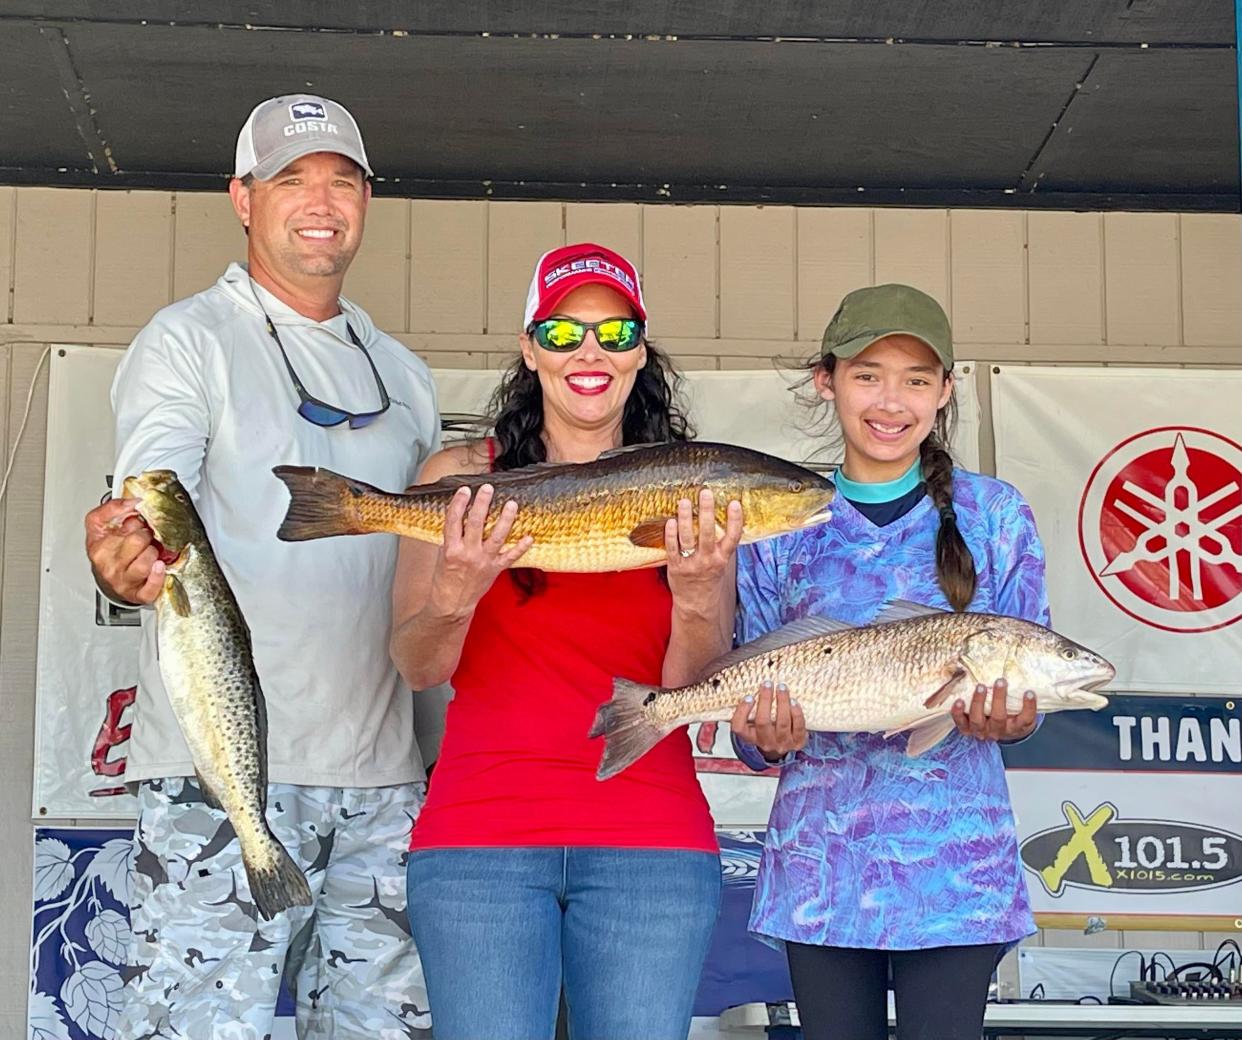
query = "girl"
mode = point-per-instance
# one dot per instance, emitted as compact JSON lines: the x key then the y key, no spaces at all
{"x":877,"y":863}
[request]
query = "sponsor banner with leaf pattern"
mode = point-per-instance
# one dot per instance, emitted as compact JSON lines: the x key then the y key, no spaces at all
{"x":80,"y":962}
{"x":1130,"y":816}
{"x":79,"y":959}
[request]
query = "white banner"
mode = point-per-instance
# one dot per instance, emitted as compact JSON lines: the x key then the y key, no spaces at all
{"x":1135,"y":478}
{"x":1128,"y":817}
{"x":87,"y":649}
{"x":87,"y":667}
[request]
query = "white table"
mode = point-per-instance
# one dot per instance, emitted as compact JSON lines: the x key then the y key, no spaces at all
{"x":1047,"y":1018}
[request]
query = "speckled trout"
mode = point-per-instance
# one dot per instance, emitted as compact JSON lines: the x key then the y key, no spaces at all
{"x":901,"y":674}
{"x":208,"y":670}
{"x":606,"y":515}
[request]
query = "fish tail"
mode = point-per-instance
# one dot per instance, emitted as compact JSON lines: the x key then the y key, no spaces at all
{"x":628,"y":733}
{"x":276,"y":882}
{"x":321,"y":504}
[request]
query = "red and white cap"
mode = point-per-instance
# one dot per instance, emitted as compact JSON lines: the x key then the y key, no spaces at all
{"x":562,"y":270}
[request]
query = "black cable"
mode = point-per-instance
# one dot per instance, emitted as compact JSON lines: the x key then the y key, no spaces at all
{"x":1142,"y":968}
{"x":1197,"y":964}
{"x":1237,"y":954}
{"x":1161,"y":953}
{"x":1037,"y":987}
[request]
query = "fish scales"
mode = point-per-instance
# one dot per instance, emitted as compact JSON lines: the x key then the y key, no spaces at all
{"x":597,"y":516}
{"x":207,"y":665}
{"x":874,"y":675}
{"x":900,"y":674}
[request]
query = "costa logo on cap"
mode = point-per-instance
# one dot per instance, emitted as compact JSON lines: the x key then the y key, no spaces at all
{"x":307,"y":110}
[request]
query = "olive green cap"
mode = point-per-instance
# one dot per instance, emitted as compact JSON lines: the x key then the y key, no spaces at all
{"x":869,"y":314}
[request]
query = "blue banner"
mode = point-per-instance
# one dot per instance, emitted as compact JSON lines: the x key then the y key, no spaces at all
{"x":739,"y":968}
{"x":80,"y":936}
{"x":1144,"y":734}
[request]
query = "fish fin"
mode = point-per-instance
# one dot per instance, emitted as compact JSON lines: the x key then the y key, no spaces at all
{"x":650,"y":533}
{"x":904,"y":610}
{"x":612,"y":453}
{"x":927,"y":734}
{"x":208,"y":792}
{"x":178,"y":598}
{"x":795,"y":632}
{"x":627,"y":732}
{"x":276,"y":885}
{"x":942,"y":694}
{"x":321,"y":503}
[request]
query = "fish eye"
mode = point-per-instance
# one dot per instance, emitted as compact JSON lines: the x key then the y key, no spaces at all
{"x":795,"y":486}
{"x":1069,"y":653}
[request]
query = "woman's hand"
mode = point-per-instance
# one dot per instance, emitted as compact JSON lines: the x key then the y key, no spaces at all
{"x":698,"y":565}
{"x":997,"y":724}
{"x":469,"y":562}
{"x":774,"y":734}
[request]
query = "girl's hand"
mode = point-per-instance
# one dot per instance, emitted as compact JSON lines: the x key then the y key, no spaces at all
{"x":997,"y":724}
{"x":777,"y":733}
{"x":469,"y":562}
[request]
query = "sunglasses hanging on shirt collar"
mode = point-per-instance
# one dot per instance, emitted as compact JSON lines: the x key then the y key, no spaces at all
{"x":320,"y":412}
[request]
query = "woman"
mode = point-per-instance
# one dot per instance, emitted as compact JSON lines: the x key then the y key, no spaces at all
{"x":876,"y":862}
{"x":525,"y":870}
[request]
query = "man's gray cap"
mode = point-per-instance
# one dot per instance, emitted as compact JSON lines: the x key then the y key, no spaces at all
{"x":285,"y":128}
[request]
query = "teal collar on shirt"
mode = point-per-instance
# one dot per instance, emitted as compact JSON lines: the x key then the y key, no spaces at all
{"x":888,"y":491}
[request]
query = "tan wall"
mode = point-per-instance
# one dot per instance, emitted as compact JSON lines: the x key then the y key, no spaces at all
{"x":728,"y":287}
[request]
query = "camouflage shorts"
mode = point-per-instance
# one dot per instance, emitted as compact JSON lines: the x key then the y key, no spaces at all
{"x":205,"y":966}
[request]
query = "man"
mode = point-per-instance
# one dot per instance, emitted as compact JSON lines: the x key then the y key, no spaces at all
{"x":271,"y":366}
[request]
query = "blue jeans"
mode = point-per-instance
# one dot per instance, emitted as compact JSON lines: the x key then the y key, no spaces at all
{"x":627,"y":930}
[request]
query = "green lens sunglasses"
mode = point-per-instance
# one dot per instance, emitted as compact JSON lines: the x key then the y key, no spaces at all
{"x":566,"y":334}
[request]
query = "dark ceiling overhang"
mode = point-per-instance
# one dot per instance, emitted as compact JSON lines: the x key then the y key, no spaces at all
{"x":1079,"y":104}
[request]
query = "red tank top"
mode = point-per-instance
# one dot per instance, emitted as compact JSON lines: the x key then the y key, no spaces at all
{"x":516,"y":767}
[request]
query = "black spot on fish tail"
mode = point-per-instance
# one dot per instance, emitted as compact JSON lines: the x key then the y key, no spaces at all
{"x":628,"y":733}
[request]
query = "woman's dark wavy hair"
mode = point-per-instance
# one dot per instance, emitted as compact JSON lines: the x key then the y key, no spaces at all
{"x":653,"y":413}
{"x":955,"y":567}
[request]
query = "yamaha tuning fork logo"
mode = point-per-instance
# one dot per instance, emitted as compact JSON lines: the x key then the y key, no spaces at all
{"x":1160,"y":527}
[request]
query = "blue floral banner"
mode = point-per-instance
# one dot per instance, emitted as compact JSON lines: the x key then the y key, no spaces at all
{"x":81,"y":933}
{"x":80,"y":941}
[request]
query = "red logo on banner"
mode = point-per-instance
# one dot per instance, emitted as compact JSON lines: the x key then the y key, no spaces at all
{"x":112,"y":734}
{"x":1160,"y":526}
